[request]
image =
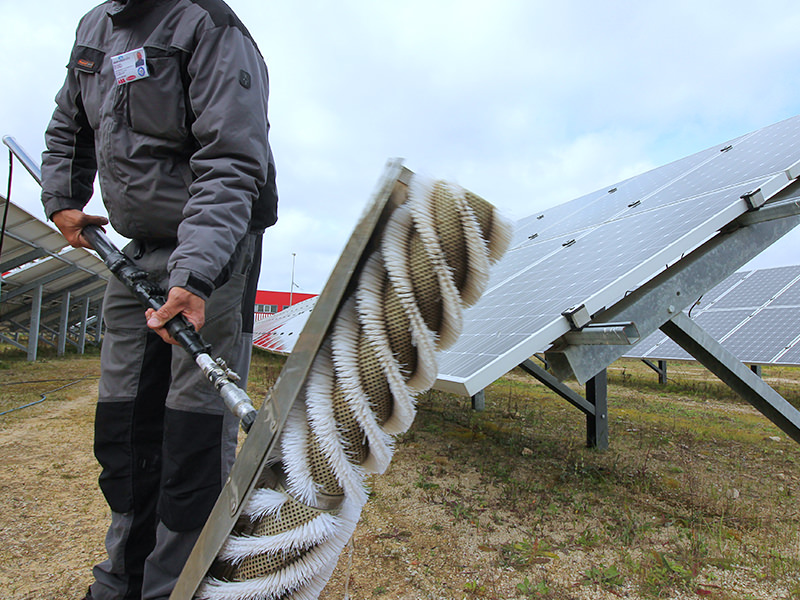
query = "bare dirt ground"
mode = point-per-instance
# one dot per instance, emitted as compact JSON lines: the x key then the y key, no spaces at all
{"x":52,"y":515}
{"x":506,"y":504}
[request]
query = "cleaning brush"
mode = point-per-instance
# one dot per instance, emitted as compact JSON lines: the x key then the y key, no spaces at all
{"x":432,"y":262}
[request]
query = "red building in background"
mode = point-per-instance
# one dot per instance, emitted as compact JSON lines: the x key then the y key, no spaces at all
{"x":268,"y":303}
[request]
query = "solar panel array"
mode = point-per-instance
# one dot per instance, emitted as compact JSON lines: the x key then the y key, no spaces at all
{"x":36,"y":255}
{"x":755,"y":315}
{"x":595,"y":249}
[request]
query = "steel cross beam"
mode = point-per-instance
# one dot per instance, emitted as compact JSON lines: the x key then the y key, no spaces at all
{"x":660,"y":368}
{"x":42,"y":281}
{"x":13,"y":342}
{"x":22,"y":259}
{"x":556,"y":385}
{"x":710,"y":353}
{"x":96,"y":286}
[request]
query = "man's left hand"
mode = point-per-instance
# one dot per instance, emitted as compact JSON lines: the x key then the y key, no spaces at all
{"x":179,"y":300}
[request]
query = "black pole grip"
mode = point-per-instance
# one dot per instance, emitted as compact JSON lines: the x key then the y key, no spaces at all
{"x":148,"y":293}
{"x":104,"y":247}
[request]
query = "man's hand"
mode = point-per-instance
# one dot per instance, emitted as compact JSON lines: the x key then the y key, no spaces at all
{"x":179,"y":300}
{"x":70,"y":223}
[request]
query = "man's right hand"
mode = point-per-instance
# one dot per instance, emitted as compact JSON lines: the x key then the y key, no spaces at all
{"x":71,"y":222}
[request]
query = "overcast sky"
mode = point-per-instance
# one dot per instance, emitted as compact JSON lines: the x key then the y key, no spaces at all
{"x":527,"y":103}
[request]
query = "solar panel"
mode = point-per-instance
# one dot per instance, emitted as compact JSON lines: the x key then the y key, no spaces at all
{"x":26,"y":239}
{"x":74,"y":269}
{"x":279,"y":332}
{"x":754,"y":314}
{"x":37,"y":257}
{"x":594,"y":250}
{"x":765,"y":336}
{"x":758,"y":288}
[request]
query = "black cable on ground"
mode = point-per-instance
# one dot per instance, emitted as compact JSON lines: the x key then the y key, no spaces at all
{"x":44,"y":394}
{"x":32,"y":381}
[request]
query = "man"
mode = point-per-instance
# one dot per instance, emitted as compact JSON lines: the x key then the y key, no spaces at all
{"x":180,"y":144}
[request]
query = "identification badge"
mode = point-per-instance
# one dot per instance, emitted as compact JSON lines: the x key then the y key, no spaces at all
{"x":129,"y":66}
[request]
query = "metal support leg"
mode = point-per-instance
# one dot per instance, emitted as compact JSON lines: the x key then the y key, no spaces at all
{"x":33,"y":330}
{"x":479,"y":401}
{"x":98,"y":332}
{"x":84,"y":319}
{"x":63,"y":324}
{"x":692,"y":338}
{"x":594,"y":406}
{"x":756,"y":369}
{"x":597,"y":424}
{"x":660,"y":368}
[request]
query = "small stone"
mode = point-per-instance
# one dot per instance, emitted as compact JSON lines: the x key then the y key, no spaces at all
{"x":733,"y":494}
{"x":775,"y":438}
{"x":527,"y":452}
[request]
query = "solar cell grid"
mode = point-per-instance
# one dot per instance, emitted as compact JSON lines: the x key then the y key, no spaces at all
{"x":790,"y":356}
{"x":757,"y":156}
{"x":718,"y":291}
{"x":763,"y":337}
{"x":592,"y":209}
{"x":790,"y":296}
{"x":757,"y":289}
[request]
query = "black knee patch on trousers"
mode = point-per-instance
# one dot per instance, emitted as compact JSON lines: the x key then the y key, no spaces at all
{"x":192,"y":472}
{"x":128,"y":435}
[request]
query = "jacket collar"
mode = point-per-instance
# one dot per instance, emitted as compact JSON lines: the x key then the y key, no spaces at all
{"x":123,"y":11}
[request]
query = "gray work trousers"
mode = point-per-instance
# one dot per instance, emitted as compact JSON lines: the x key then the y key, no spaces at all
{"x":162,"y":434}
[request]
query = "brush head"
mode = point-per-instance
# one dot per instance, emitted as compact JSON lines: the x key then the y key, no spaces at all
{"x":432,"y":261}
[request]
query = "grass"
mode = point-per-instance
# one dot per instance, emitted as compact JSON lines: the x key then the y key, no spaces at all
{"x":695,"y":484}
{"x":48,"y":379}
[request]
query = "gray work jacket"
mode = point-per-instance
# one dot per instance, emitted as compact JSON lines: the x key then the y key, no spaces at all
{"x":183,"y":154}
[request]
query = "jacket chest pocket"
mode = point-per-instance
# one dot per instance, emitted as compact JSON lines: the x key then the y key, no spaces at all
{"x":156,"y":105}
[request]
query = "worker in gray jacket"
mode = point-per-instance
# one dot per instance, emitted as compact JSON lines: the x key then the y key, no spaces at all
{"x":165,"y":100}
